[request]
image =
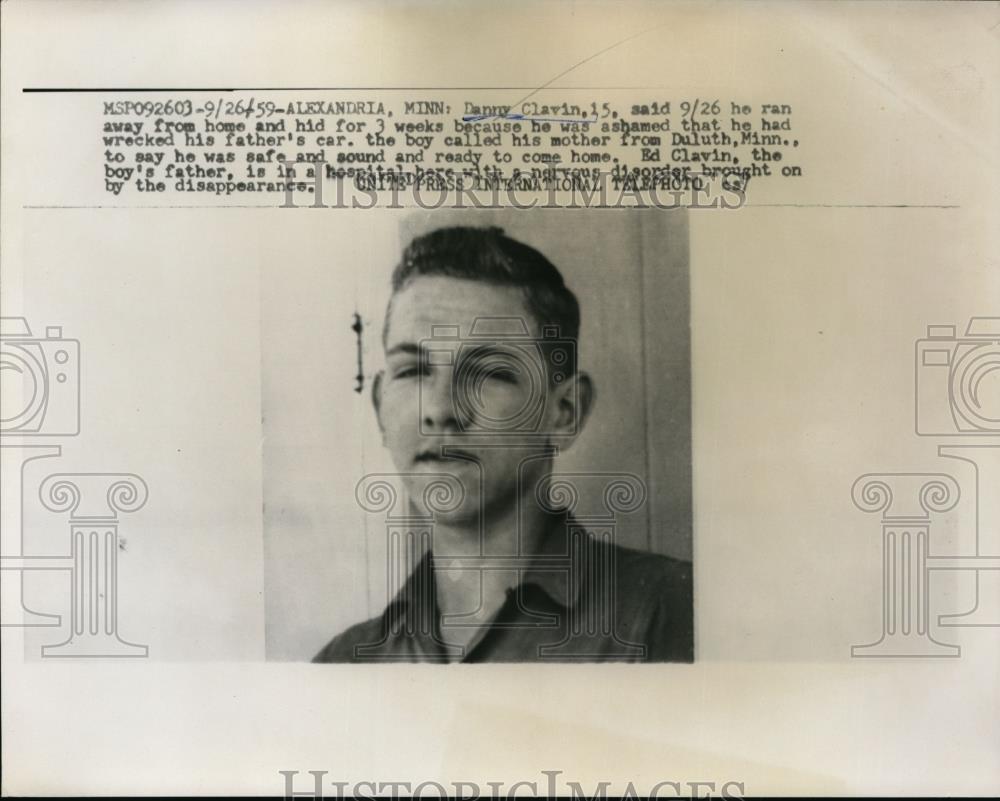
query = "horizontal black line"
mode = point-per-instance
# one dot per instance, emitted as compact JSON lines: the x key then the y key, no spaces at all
{"x":65,"y":89}
{"x":229,"y":206}
{"x":849,"y":206}
{"x":71,"y":89}
{"x":473,"y":208}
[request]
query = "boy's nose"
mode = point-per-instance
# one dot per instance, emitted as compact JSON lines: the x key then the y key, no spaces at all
{"x":437,"y":402}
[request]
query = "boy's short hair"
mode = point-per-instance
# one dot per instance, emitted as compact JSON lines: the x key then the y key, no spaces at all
{"x":489,"y":255}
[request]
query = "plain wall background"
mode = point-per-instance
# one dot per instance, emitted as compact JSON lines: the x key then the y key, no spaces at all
{"x":324,"y":556}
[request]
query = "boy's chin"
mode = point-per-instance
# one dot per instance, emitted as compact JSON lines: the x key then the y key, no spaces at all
{"x":459,"y":518}
{"x":453,"y":502}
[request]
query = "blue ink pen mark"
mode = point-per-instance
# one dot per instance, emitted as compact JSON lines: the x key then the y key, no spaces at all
{"x":357,"y":327}
{"x":527,"y":118}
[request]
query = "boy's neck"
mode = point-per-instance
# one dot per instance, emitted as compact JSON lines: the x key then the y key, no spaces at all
{"x":518,"y":531}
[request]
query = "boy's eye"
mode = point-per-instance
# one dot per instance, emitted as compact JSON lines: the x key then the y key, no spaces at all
{"x":506,"y":375}
{"x":407,"y":371}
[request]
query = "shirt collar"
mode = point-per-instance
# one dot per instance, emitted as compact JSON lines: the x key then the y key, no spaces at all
{"x":558,"y":568}
{"x":560,"y":564}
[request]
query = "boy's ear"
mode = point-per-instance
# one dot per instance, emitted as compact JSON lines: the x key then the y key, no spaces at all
{"x":377,"y":398}
{"x":574,"y":399}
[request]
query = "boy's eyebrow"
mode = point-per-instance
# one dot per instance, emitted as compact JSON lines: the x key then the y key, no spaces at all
{"x":485,"y":351}
{"x":476,"y":353}
{"x":403,"y":347}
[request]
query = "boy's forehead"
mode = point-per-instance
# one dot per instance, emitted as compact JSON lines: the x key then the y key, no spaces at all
{"x":429,"y":301}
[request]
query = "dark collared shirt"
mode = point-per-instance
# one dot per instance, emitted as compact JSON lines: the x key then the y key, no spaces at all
{"x":584,"y":599}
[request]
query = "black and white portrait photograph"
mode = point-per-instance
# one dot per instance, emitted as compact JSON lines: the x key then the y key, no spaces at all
{"x":500,"y":470}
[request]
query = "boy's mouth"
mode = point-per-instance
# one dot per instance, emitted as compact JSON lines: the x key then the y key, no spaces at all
{"x":434,"y":456}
